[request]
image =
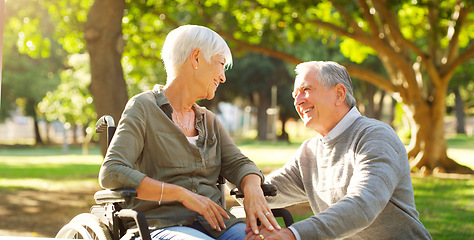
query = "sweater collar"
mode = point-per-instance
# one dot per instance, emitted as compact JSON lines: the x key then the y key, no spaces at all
{"x":345,"y":123}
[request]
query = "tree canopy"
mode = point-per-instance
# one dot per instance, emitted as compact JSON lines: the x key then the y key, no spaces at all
{"x":420,"y":44}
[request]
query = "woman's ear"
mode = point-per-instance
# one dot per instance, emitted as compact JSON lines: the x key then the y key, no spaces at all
{"x":195,"y":57}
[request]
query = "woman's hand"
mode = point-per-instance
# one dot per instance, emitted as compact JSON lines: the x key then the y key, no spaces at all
{"x":210,"y":210}
{"x":256,"y":206}
{"x":280,"y":234}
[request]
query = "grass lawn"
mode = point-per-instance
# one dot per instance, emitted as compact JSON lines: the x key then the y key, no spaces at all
{"x":47,"y":168}
{"x":446,"y":206}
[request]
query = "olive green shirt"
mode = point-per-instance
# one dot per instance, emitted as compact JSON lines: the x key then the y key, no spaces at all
{"x":148,"y":143}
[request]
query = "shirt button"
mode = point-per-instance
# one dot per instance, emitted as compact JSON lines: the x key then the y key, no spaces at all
{"x":194,"y":190}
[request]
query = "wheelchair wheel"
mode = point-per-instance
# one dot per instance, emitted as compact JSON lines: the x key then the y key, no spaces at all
{"x":85,"y":226}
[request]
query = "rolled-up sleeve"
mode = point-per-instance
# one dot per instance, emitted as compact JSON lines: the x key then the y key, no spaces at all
{"x":235,"y":165}
{"x":124,"y":150}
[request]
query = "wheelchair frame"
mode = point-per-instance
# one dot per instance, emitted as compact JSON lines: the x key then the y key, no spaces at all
{"x":105,"y":220}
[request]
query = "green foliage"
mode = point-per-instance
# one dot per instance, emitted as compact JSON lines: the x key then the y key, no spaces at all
{"x":39,"y":35}
{"x":355,"y":51}
{"x":71,"y":102}
{"x":255,"y":74}
{"x":463,"y":79}
{"x":401,"y":123}
{"x":48,"y":29}
{"x":251,"y":73}
{"x":32,"y":57}
{"x":42,"y":25}
{"x":25,"y":82}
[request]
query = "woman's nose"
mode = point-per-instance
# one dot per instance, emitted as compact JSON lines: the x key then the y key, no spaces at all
{"x":222,"y":78}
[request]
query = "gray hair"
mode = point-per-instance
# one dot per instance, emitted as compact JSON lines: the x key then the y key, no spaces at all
{"x":330,"y":74}
{"x":181,"y":41}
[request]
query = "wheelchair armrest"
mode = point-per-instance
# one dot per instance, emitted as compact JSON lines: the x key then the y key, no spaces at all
{"x":103,"y":123}
{"x":285,"y":214}
{"x":114,"y":196}
{"x":140,"y":220}
{"x":268,"y":190}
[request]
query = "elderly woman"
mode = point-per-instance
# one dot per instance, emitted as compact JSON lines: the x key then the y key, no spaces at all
{"x":172,"y":151}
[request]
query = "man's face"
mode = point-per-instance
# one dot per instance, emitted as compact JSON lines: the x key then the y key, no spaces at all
{"x":315,"y":104}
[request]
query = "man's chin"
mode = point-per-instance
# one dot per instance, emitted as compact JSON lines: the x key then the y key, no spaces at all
{"x":307,"y":122}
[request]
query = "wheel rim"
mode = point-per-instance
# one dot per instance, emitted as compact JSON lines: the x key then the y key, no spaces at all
{"x":85,"y":226}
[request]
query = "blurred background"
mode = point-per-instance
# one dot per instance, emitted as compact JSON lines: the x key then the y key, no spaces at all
{"x":68,"y":62}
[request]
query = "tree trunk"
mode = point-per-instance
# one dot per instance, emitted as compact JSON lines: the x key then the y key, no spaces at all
{"x":103,"y":34}
{"x":369,"y":95}
{"x":74,"y":134}
{"x":38,"y":140}
{"x":427,"y":149}
{"x":263,"y":103}
{"x":380,"y":106}
{"x":284,"y":135}
{"x":391,"y":117}
{"x":460,"y":115}
{"x":47,"y":137}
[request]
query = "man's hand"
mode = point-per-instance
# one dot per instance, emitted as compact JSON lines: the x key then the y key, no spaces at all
{"x":256,"y":206}
{"x":277,"y":234}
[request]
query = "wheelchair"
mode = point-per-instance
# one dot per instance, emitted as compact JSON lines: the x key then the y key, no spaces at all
{"x":106,"y":220}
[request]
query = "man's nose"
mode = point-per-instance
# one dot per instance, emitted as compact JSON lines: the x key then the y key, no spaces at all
{"x":299,"y":99}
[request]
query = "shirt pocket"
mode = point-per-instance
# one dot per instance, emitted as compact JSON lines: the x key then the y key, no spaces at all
{"x":212,"y":154}
{"x":170,"y":150}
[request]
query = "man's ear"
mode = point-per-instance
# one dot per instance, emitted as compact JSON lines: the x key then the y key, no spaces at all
{"x":340,"y":94}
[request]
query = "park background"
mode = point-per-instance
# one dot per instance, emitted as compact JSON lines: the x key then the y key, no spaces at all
{"x":65,"y":63}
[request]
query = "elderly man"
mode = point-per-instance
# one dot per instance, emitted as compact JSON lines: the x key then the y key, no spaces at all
{"x":354,"y":173}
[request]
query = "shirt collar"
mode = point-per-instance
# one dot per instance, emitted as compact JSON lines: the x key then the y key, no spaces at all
{"x":345,"y":122}
{"x":163,"y":102}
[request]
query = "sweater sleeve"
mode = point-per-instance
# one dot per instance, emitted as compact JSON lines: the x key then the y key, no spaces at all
{"x":376,"y":173}
{"x":289,"y":183}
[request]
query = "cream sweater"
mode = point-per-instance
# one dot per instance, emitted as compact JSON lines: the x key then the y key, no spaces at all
{"x":358,"y":186}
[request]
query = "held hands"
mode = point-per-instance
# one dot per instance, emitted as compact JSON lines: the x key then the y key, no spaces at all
{"x":256,"y":207}
{"x":278,"y":234}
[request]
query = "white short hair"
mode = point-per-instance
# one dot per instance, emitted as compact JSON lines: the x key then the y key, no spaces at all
{"x":181,"y":41}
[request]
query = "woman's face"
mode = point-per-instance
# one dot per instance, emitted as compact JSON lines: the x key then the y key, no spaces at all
{"x":210,"y":74}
